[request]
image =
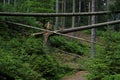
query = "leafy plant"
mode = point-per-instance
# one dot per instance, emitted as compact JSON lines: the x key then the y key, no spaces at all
{"x":108,"y":61}
{"x":112,"y":77}
{"x":13,"y":66}
{"x":69,"y":46}
{"x":50,"y":68}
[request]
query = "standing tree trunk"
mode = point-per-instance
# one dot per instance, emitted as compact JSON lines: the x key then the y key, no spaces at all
{"x":8,"y":1}
{"x":28,"y":9}
{"x":89,"y":10}
{"x":107,"y":5}
{"x":111,"y":17}
{"x":15,"y":3}
{"x":4,"y":2}
{"x":64,"y":10}
{"x":79,"y":19}
{"x":57,"y":10}
{"x":73,"y":18}
{"x":93,"y":31}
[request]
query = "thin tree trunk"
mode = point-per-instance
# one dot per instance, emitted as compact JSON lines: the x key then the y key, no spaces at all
{"x":15,"y":3}
{"x":4,"y":2}
{"x":61,"y":18}
{"x":107,"y":5}
{"x":89,"y":10}
{"x":79,"y":18}
{"x":111,"y":17}
{"x":57,"y":10}
{"x":64,"y":10}
{"x":73,"y":18}
{"x":93,"y":31}
{"x":28,"y":9}
{"x":8,"y":1}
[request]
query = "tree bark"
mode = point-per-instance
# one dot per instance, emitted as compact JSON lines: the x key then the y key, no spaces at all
{"x":57,"y":19}
{"x":110,"y":17}
{"x":93,"y":31}
{"x":73,"y":18}
{"x":64,"y":10}
{"x":79,"y":18}
{"x":8,"y":1}
{"x":4,"y":2}
{"x":15,"y":3}
{"x":89,"y":10}
{"x":28,"y":9}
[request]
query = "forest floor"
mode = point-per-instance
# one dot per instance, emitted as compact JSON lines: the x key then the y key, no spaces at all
{"x":80,"y":75}
{"x":85,"y":36}
{"x":71,"y":61}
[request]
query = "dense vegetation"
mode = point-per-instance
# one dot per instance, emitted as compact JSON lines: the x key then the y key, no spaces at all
{"x":106,"y":64}
{"x":23,"y":57}
{"x":72,"y":46}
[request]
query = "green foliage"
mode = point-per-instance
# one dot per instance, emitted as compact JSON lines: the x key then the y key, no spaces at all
{"x":108,"y":61}
{"x":16,"y":68}
{"x":114,"y":5}
{"x":30,"y":46}
{"x":69,"y":46}
{"x":22,"y":59}
{"x":28,"y":6}
{"x":112,"y":77}
{"x":97,"y":68}
{"x":34,"y":46}
{"x":25,"y":58}
{"x":112,"y":52}
{"x":40,"y":6}
{"x":100,"y":32}
{"x":50,"y":68}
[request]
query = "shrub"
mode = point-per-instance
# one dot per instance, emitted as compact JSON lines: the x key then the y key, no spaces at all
{"x":108,"y":61}
{"x":97,"y":68}
{"x":69,"y":46}
{"x":13,"y":66}
{"x":50,"y":68}
{"x":21,"y":59}
{"x":34,"y":46}
{"x":112,"y":77}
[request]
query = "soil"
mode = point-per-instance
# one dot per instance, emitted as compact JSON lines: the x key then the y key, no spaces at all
{"x":80,"y":75}
{"x":77,"y":76}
